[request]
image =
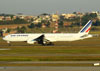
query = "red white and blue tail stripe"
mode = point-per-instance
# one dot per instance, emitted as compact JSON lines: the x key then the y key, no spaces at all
{"x":86,"y":28}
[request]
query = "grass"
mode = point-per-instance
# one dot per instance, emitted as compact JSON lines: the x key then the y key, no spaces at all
{"x":46,"y":64}
{"x":49,"y":58}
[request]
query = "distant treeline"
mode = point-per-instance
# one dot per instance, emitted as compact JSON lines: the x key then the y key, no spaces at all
{"x":77,"y":21}
{"x":6,"y":15}
{"x":83,"y":20}
{"x":15,"y":21}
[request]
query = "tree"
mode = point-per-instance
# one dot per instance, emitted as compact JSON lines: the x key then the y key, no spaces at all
{"x":48,"y":24}
{"x":19,"y":21}
{"x":31,"y":25}
{"x":61,"y":23}
{"x":97,"y":23}
{"x":39,"y":25}
{"x":18,"y":29}
{"x":45,"y":14}
{"x":21,"y":30}
{"x":1,"y":33}
{"x":74,"y":12}
{"x":93,"y":15}
{"x":8,"y":30}
{"x":88,"y":17}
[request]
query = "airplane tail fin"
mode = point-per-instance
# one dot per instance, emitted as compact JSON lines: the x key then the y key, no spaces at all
{"x":86,"y":28}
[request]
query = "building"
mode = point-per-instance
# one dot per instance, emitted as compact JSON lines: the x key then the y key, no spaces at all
{"x":8,"y":18}
{"x":68,"y":16}
{"x":1,"y":18}
{"x":54,"y":17}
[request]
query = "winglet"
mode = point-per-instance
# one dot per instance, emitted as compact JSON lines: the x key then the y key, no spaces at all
{"x":86,"y":28}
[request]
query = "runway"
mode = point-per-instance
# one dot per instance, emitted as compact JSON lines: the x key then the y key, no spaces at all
{"x":2,"y":49}
{"x":50,"y":68}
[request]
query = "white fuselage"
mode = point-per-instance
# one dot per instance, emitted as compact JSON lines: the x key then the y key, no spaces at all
{"x":50,"y":36}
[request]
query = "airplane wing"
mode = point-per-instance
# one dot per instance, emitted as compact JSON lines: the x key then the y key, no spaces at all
{"x":41,"y":40}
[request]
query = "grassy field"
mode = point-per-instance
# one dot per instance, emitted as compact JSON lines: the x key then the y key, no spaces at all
{"x":46,"y":64}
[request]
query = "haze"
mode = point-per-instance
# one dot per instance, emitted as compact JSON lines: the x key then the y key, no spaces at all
{"x":35,"y":7}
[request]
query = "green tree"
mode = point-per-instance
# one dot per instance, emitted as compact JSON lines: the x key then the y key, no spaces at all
{"x":8,"y":30}
{"x":74,"y":12}
{"x":93,"y":15}
{"x":61,"y":23}
{"x":39,"y":25}
{"x":1,"y":33}
{"x":48,"y":24}
{"x":97,"y":23}
{"x":19,"y":21}
{"x":31,"y":25}
{"x":21,"y":30}
{"x":88,"y":17}
{"x":18,"y":29}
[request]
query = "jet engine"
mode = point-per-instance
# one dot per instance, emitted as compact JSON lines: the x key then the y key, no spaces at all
{"x":31,"y":41}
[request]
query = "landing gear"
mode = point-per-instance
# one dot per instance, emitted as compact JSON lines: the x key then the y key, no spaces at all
{"x":47,"y":42}
{"x":9,"y":43}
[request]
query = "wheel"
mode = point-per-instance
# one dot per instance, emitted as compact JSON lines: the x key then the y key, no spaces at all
{"x":47,"y":43}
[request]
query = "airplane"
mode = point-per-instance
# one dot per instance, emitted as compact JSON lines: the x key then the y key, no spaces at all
{"x":48,"y":38}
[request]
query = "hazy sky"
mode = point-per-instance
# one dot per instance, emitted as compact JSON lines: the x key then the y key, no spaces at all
{"x":35,"y":7}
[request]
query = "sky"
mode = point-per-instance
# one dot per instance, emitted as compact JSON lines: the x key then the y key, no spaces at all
{"x":36,"y":7}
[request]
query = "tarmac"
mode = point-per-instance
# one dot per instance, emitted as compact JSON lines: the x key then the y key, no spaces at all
{"x":50,"y":68}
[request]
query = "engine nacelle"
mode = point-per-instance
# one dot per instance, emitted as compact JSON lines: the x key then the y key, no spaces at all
{"x":89,"y":36}
{"x":31,"y":41}
{"x":86,"y":36}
